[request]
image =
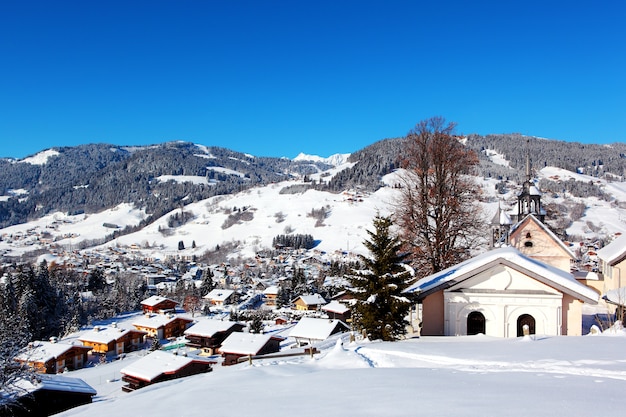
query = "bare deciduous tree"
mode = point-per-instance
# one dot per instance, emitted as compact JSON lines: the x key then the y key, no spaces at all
{"x":438,"y":209}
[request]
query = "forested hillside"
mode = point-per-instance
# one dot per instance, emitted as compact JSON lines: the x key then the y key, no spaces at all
{"x":92,"y":178}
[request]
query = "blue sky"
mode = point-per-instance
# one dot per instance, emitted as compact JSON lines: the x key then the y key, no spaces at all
{"x":276,"y":78}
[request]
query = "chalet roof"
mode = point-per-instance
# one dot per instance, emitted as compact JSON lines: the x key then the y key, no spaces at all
{"x":555,"y":238}
{"x":209,"y":327}
{"x":156,"y":321}
{"x":272,"y":290}
{"x":336,"y":307}
{"x":106,"y":334}
{"x":155,"y":300}
{"x":312,"y":299}
{"x":158,"y":363}
{"x":547,"y":274}
{"x":42,"y":351}
{"x":316,"y":329}
{"x":617,"y":296}
{"x":65,"y":384}
{"x":614,"y":252}
{"x":245,"y":343}
{"x":219,"y":294}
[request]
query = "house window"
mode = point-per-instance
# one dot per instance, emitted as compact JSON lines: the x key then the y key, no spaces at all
{"x":525,"y":319}
{"x":528,"y":235}
{"x":475,"y":323}
{"x":528,"y":244}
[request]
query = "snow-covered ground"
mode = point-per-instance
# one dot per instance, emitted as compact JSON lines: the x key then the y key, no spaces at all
{"x":430,"y":376}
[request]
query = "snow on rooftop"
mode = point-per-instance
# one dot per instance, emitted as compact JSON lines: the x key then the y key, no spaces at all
{"x":219,"y":294}
{"x":208,"y":327}
{"x":245,"y":343}
{"x":316,"y":329}
{"x":613,"y":251}
{"x":104,"y":334}
{"x":42,"y":351}
{"x":156,"y":363}
{"x":553,"y":274}
{"x":335,"y":307}
{"x":312,"y":299}
{"x":155,"y":321}
{"x":154,"y":300}
{"x":617,"y":296}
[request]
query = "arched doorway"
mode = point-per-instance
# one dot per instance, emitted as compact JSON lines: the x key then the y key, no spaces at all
{"x":525,"y":319}
{"x":475,"y":323}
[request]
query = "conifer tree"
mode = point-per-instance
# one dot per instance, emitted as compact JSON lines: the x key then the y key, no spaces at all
{"x":207,"y":284}
{"x":381,"y":308}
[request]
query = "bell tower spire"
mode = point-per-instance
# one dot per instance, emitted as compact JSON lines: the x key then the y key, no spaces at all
{"x":529,"y":199}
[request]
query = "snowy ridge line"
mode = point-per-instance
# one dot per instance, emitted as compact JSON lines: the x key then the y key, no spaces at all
{"x":549,"y":367}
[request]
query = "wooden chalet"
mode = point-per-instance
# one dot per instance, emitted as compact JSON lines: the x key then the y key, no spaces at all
{"x":270,"y":295}
{"x":309,"y":330}
{"x":159,"y":366}
{"x":309,"y":302}
{"x":53,"y":357}
{"x":162,"y":326}
{"x":113,"y":340}
{"x":208,"y":335}
{"x":239,"y":345}
{"x":220,"y":297}
{"x":337,"y":310}
{"x":50,"y":394}
{"x":158,"y":304}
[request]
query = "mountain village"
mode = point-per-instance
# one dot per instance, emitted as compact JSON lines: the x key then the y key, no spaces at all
{"x":525,"y":282}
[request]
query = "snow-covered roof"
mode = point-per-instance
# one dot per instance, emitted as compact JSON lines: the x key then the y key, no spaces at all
{"x":65,"y":384}
{"x":555,"y":277}
{"x":245,"y":343}
{"x":315,"y":329}
{"x":155,"y":300}
{"x":155,"y":321}
{"x":312,"y":299}
{"x":42,"y":351}
{"x":335,"y":307}
{"x":208,"y":327}
{"x":273,"y":290}
{"x":105,"y":334}
{"x":614,"y":251}
{"x":617,"y":296}
{"x":157,"y":363}
{"x":219,"y":294}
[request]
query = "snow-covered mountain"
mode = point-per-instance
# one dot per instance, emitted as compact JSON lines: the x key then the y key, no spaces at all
{"x":334,"y":160}
{"x":249,"y":220}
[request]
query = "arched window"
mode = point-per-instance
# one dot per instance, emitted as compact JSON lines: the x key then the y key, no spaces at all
{"x":528,"y":235}
{"x":475,"y":323}
{"x":525,"y":320}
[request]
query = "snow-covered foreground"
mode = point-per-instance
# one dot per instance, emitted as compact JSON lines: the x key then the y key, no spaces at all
{"x":446,"y":376}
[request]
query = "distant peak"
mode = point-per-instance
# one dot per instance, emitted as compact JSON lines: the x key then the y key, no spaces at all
{"x":334,"y":160}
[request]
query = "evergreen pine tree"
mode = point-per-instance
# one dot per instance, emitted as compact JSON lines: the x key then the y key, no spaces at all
{"x":207,"y":284}
{"x":381,"y":308}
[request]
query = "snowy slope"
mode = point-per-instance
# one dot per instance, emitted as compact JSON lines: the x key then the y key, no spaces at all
{"x":273,"y":213}
{"x":459,"y":376}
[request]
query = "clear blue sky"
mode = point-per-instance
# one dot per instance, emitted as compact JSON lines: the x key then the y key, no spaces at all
{"x":275,"y":78}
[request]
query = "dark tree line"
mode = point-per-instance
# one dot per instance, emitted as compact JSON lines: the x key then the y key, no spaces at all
{"x":293,"y":241}
{"x":50,"y":301}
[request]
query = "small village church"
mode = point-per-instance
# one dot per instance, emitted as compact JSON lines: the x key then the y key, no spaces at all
{"x":523,"y":285}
